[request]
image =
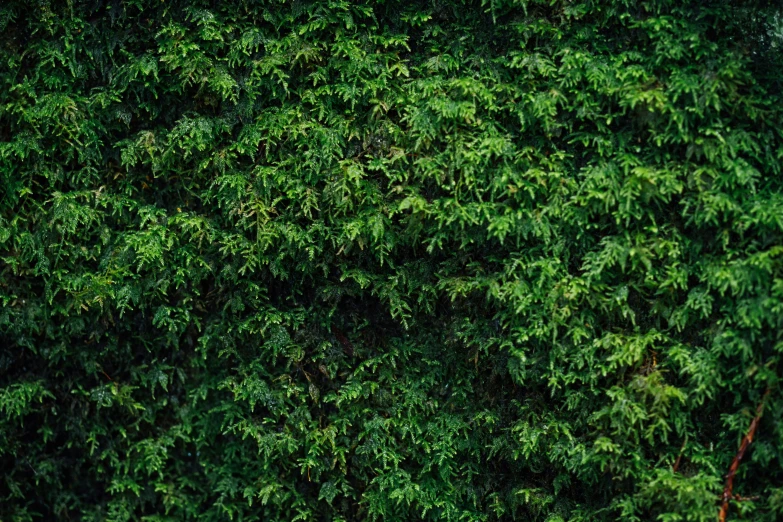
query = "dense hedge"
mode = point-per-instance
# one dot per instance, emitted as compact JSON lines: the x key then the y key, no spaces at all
{"x":392,"y":260}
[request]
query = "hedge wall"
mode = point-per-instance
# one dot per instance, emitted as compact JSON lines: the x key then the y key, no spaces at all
{"x":391,"y":260}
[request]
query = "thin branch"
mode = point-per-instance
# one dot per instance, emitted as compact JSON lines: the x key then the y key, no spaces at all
{"x":679,"y":457}
{"x":746,"y":440}
{"x":343,"y":340}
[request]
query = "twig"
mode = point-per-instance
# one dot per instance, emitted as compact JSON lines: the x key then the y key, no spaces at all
{"x":746,"y":440}
{"x":105,"y":374}
{"x":343,"y":340}
{"x":739,"y":498}
{"x":679,"y":457}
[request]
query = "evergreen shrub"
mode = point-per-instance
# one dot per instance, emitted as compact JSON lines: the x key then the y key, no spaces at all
{"x":341,"y":260}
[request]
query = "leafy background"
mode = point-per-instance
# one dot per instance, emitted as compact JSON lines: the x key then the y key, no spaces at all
{"x":420,"y":260}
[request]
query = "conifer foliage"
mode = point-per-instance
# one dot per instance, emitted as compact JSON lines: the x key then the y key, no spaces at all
{"x":390,"y":260}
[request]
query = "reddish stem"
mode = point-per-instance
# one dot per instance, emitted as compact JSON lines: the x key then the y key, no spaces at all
{"x":746,"y":440}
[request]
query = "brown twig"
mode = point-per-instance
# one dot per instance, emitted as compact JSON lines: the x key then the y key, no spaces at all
{"x":739,"y":498}
{"x":746,"y":440}
{"x":343,"y":340}
{"x":679,"y":457}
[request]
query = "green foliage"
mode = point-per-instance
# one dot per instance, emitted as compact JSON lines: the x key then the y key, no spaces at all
{"x":389,"y":260}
